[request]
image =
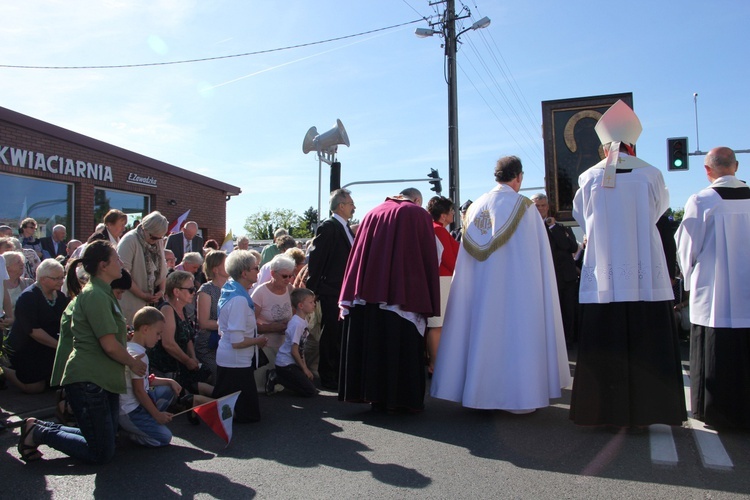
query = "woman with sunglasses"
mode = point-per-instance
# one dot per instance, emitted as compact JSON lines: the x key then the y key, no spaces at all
{"x":142,"y":253}
{"x":28,"y":236}
{"x":273,"y":309}
{"x":174,"y":355}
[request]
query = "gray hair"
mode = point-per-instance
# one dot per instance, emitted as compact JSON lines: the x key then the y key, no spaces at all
{"x":47,"y":267}
{"x":58,"y":227}
{"x":337,"y":197}
{"x":538,"y":196}
{"x":13,"y":257}
{"x":15,"y":243}
{"x":282,"y":263}
{"x":280,"y":232}
{"x":155,"y":224}
{"x":192,"y":258}
{"x":412,"y":193}
{"x":73,"y":242}
{"x":239,"y":261}
{"x":242,"y":238}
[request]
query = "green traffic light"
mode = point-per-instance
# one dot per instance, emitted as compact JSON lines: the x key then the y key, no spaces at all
{"x":678,"y":163}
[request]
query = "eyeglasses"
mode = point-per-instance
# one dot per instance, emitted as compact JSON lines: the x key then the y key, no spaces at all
{"x":151,"y":237}
{"x":55,"y":278}
{"x":29,"y":226}
{"x":256,"y":268}
{"x":191,"y":289}
{"x":286,"y":276}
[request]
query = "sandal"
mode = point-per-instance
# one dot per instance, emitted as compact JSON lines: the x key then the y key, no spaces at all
{"x":28,"y":453}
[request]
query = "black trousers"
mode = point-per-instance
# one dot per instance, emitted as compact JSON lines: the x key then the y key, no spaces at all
{"x":330,"y":341}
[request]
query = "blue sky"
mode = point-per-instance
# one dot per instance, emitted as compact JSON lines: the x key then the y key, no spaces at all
{"x":242,"y":120}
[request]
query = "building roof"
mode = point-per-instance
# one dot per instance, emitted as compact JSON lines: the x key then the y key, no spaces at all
{"x":40,"y":126}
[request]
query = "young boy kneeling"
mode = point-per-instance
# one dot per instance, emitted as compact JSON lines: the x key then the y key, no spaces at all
{"x":291,"y":370}
{"x":142,"y":414}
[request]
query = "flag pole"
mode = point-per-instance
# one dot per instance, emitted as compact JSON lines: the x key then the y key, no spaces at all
{"x":203,"y":404}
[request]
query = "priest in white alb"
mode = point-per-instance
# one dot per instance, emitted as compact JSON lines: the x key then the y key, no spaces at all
{"x":715,"y":260}
{"x":503,"y":344}
{"x":628,"y":370}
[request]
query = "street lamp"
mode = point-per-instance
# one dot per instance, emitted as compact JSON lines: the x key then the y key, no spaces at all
{"x":447,"y":30}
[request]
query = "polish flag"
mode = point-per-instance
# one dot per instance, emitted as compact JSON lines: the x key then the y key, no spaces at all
{"x":177,"y":225}
{"x":218,"y":415}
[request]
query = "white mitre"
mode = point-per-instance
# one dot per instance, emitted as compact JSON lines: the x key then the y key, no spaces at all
{"x":619,"y":124}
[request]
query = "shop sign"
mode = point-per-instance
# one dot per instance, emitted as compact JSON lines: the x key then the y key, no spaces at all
{"x":54,"y":164}
{"x":141,"y":180}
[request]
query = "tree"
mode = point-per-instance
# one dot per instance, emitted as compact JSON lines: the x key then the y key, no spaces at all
{"x":677,"y":214}
{"x":261,"y":225}
{"x":306,"y":224}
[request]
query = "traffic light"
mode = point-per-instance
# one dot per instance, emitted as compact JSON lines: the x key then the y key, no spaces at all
{"x":436,"y":184}
{"x":677,"y":153}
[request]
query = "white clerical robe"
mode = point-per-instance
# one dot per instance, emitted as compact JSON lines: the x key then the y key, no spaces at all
{"x":502,"y":344}
{"x":713,"y":253}
{"x":624,"y":258}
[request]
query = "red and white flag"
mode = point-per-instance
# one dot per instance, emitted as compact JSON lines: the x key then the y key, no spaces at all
{"x":218,"y":415}
{"x":177,"y":225}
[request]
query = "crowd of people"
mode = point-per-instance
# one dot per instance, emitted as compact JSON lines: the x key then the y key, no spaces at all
{"x":135,"y":326}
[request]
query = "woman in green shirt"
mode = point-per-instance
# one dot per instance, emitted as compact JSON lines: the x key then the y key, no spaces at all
{"x":94,"y":372}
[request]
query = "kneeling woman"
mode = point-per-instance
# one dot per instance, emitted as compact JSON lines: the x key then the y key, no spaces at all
{"x":33,"y":337}
{"x":237,"y":354}
{"x":94,"y":373}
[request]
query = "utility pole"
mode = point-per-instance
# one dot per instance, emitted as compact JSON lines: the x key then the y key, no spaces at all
{"x":447,"y":29}
{"x":451,"y":40}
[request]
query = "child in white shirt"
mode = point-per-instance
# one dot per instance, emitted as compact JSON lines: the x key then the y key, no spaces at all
{"x":291,"y":370}
{"x":142,"y":414}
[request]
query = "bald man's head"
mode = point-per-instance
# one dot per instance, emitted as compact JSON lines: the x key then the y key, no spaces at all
{"x":719,"y":162}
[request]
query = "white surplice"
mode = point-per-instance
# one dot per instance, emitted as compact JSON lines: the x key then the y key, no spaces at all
{"x":624,"y":258}
{"x":714,"y":257}
{"x":502,"y":344}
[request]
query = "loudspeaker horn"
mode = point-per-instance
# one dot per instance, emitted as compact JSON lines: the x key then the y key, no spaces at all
{"x":337,"y":135}
{"x":308,"y":144}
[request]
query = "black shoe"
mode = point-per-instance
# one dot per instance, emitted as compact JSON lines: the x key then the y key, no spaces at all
{"x":270,"y":382}
{"x":186,"y":401}
{"x":193,"y":418}
{"x":3,"y":385}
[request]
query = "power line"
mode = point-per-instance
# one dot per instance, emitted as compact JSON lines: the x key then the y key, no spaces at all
{"x":186,"y":61}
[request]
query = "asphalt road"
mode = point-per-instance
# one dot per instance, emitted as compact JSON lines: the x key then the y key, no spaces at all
{"x":321,"y":448}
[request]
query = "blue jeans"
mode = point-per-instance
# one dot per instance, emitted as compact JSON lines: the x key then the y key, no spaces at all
{"x":141,"y":426}
{"x":96,"y":411}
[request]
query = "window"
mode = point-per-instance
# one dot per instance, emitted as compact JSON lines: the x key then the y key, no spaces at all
{"x":48,"y":202}
{"x":134,"y":205}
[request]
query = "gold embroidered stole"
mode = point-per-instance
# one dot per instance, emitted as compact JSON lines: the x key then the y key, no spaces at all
{"x":483,"y":222}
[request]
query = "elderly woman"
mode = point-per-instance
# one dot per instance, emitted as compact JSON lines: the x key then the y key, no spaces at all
{"x":142,"y":253}
{"x":442,"y":212}
{"x":237,"y":354}
{"x":273,"y":308}
{"x":209,"y":293}
{"x":174,"y":355}
{"x":94,"y":372}
{"x":15,"y":263}
{"x":299,"y":262}
{"x":114,"y":224}
{"x":33,"y":337}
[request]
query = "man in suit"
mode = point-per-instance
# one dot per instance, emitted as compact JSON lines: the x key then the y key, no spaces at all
{"x":54,"y":245}
{"x":185,"y":242}
{"x":563,"y":245}
{"x":329,"y":252}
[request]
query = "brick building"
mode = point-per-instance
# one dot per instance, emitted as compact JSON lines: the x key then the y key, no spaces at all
{"x":58,"y":176}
